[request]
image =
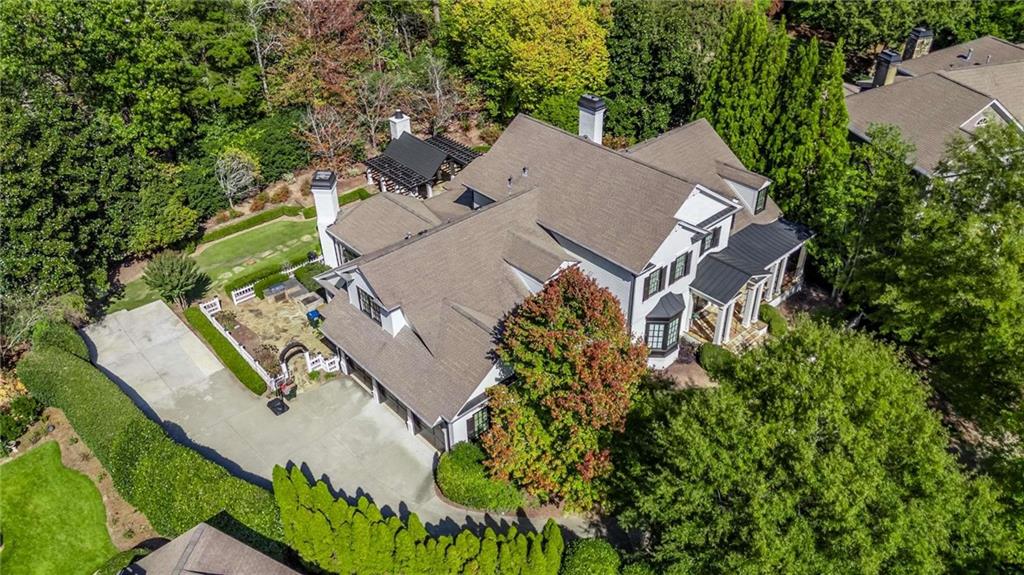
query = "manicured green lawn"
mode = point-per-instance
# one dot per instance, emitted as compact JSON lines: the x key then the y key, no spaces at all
{"x":273,"y":243}
{"x":53,"y":518}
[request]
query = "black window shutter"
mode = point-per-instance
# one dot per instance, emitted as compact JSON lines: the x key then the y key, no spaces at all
{"x":686,"y":264}
{"x":470,"y":428}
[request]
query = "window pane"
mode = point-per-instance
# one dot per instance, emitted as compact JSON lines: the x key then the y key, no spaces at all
{"x":481,"y":421}
{"x":673,"y":333}
{"x":762,"y":199}
{"x":656,"y":335}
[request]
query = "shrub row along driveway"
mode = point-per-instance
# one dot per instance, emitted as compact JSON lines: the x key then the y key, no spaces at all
{"x":337,"y":430}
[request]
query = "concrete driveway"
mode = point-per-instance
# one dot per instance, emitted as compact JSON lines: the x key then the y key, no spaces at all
{"x":336,"y":431}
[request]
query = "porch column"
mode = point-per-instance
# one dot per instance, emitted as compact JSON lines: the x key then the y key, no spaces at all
{"x":800,"y":261}
{"x":723,"y":323}
{"x":376,"y":390}
{"x":430,"y":191}
{"x":778,"y":280}
{"x":343,"y":363}
{"x":383,"y":185}
{"x":409,"y":421}
{"x":749,"y":303}
{"x":755,"y":312}
{"x":369,"y":177}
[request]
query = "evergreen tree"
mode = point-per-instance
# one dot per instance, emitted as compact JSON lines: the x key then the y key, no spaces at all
{"x":743,"y":85}
{"x":554,"y":546}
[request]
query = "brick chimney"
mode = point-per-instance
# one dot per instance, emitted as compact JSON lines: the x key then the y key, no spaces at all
{"x":591,"y":124}
{"x":885,"y":68}
{"x":919,"y":43}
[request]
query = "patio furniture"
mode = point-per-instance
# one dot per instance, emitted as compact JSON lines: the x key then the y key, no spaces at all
{"x":277,"y":406}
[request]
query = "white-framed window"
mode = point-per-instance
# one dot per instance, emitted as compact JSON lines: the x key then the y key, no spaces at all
{"x":680,"y":268}
{"x":479,"y":423}
{"x":368,"y":306}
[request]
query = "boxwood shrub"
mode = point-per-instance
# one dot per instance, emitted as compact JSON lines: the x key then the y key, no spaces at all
{"x":773,"y":317}
{"x":714,"y":358}
{"x":267,"y":282}
{"x":172,"y":485}
{"x":61,"y":335}
{"x":354,"y":196}
{"x":591,"y":557}
{"x":461,"y":476}
{"x":251,"y":222}
{"x":225,"y":351}
{"x":305,"y":275}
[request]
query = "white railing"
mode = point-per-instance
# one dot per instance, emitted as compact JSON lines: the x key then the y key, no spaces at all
{"x":319,"y":362}
{"x":210,"y":309}
{"x":246,"y":293}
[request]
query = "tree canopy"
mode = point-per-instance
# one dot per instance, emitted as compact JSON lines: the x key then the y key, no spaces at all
{"x":816,"y":454}
{"x":521,"y":53}
{"x":574,"y":368}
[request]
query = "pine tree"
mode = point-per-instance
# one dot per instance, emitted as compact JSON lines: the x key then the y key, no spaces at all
{"x":284,"y":493}
{"x":536,"y":561}
{"x":362,"y":562}
{"x":488,"y":558}
{"x":415,"y":527}
{"x":743,"y":85}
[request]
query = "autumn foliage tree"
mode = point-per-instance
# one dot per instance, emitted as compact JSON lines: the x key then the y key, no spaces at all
{"x":575,"y":367}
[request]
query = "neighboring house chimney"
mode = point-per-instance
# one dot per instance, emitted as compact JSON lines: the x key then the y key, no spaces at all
{"x":885,"y":68}
{"x":919,"y":43}
{"x":400,"y":124}
{"x":325,"y":196}
{"x":591,"y":117}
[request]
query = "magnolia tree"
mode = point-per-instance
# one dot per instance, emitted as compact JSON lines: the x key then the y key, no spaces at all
{"x":575,"y":368}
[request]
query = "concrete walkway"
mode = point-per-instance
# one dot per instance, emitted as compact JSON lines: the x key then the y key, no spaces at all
{"x":336,"y":432}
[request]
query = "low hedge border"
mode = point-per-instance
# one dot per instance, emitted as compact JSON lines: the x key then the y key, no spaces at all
{"x":268,"y":281}
{"x":261,"y":272}
{"x":305,"y":275}
{"x":60,"y":335}
{"x":462,"y":478}
{"x":225,"y":351}
{"x":251,"y":222}
{"x":172,"y":485}
{"x":354,"y":196}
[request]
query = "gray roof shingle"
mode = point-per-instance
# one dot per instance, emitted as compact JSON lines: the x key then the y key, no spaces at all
{"x":204,"y":549}
{"x":987,"y":50}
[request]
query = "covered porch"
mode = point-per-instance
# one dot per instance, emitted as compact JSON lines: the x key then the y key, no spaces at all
{"x":761,"y":264}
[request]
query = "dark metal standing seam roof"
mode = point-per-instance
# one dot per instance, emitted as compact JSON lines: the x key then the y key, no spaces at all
{"x":459,"y":153}
{"x":721,"y":275}
{"x":397,"y":172}
{"x":669,"y":306}
{"x":408,"y":161}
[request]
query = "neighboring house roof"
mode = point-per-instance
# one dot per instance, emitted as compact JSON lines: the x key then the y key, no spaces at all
{"x":381,"y":220}
{"x":928,"y":111}
{"x":696,"y":153}
{"x":1003,"y":82}
{"x":721,"y":275}
{"x":204,"y":549}
{"x":987,"y":50}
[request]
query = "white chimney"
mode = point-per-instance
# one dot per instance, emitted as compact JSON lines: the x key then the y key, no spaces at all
{"x":325,"y":196}
{"x":591,"y":117}
{"x":400,"y":124}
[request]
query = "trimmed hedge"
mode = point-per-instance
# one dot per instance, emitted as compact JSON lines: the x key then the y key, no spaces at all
{"x":305,"y":275}
{"x":250,"y":222}
{"x":461,"y":476}
{"x":354,"y":196}
{"x":309,"y":213}
{"x":225,"y":351}
{"x":172,"y":485}
{"x":336,"y":536}
{"x":260,"y":272}
{"x":777,"y":324}
{"x":591,"y":557}
{"x":268,"y":281}
{"x":715,"y":358}
{"x":61,"y":335}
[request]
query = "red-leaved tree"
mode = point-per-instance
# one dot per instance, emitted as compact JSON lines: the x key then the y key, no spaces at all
{"x":575,"y":368}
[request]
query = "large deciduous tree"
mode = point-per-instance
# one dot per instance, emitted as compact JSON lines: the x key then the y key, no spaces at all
{"x":957,"y":281}
{"x":740,"y":96}
{"x":524,"y":52}
{"x":816,"y":454}
{"x":575,"y":367}
{"x":659,"y":60}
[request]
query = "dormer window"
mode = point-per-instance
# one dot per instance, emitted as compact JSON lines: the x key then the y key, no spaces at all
{"x":368,"y":306}
{"x":710,"y":241}
{"x":762,"y":200}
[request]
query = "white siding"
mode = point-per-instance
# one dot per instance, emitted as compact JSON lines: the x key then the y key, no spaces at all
{"x":391,"y":321}
{"x":607,"y":274}
{"x":457,"y":427}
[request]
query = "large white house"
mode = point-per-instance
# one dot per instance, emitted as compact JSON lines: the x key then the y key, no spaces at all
{"x":686,"y":238}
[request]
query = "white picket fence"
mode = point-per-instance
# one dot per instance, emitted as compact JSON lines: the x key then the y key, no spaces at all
{"x":210,"y":309}
{"x":246,"y":293}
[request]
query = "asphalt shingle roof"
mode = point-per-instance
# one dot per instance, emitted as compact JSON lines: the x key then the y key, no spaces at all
{"x":987,"y":50}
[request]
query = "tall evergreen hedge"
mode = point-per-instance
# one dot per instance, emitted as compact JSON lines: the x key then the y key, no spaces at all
{"x":332,"y":535}
{"x":172,"y":485}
